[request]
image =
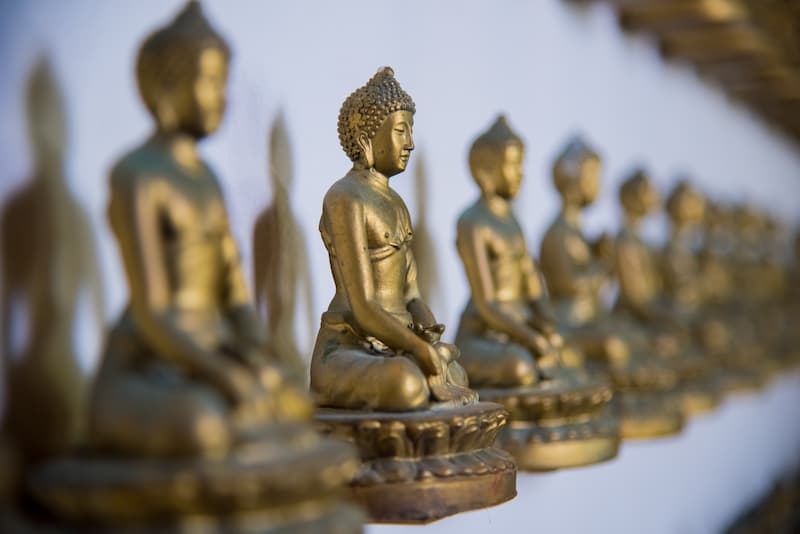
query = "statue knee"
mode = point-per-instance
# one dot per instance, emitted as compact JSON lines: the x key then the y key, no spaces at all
{"x":521,"y":370}
{"x":408,"y":388}
{"x":206,"y":433}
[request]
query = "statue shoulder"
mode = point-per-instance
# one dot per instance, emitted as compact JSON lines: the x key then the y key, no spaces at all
{"x":345,"y":192}
{"x":471,"y":218}
{"x":132,"y":169}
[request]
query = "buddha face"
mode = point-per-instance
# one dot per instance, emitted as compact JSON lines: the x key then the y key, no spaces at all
{"x":508,"y":175}
{"x":393,"y":142}
{"x":498,"y":170}
{"x":640,"y":199}
{"x":197,"y":104}
{"x":689,"y":208}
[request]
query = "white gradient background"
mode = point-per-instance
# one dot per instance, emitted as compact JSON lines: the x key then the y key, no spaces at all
{"x":553,"y":68}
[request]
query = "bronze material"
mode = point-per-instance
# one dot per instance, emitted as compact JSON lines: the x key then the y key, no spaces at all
{"x":577,"y":272}
{"x":47,"y":263}
{"x":280,"y":258}
{"x":191,"y":420}
{"x":509,"y":344}
{"x":379,"y":360}
{"x":642,"y":298}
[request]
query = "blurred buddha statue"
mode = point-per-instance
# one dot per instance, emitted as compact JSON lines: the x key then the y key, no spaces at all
{"x":642,"y":296}
{"x":47,"y":264}
{"x":681,"y":266}
{"x":379,"y":367}
{"x":280,"y":259}
{"x":576,"y":272}
{"x":726,"y":333}
{"x":510,"y":346}
{"x":189,"y":415}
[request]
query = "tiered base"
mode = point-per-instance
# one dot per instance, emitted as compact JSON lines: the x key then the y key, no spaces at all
{"x":421,"y":466}
{"x":557,"y":427}
{"x":648,"y":415}
{"x":699,"y":396}
{"x":288,"y":480}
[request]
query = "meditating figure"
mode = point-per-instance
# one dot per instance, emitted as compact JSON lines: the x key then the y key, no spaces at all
{"x":381,"y":376}
{"x":510,"y":346}
{"x":643,"y":300}
{"x":506,"y":335}
{"x":577,"y":272}
{"x":193,"y":425}
{"x":184,"y":369}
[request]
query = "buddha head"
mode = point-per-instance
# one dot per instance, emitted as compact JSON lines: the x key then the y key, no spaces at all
{"x":495,"y":160}
{"x":182,"y":72}
{"x":686,"y":205}
{"x":576,"y":173}
{"x":47,"y":128}
{"x":376,"y":125}
{"x":638,"y":196}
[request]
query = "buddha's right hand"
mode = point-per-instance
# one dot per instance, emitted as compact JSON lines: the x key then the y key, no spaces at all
{"x":431,"y":362}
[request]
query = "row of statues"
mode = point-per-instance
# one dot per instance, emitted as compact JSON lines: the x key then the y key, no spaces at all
{"x":196,"y":418}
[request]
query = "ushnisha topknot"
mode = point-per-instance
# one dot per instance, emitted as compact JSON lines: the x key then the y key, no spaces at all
{"x":168,"y":57}
{"x":499,"y":135}
{"x":367,"y":107}
{"x":567,"y":167}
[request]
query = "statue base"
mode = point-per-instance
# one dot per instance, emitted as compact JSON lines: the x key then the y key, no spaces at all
{"x":557,"y":427}
{"x":699,"y":396}
{"x":282,"y":478}
{"x":736,"y":380}
{"x":422,"y":466}
{"x":648,"y":414}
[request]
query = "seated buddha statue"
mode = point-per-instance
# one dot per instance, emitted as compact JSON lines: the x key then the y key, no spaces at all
{"x":380,"y":372}
{"x":683,"y":286}
{"x":509,"y":344}
{"x":728,"y":333}
{"x":577,"y":272}
{"x":642,"y":297}
{"x":187,"y":403}
{"x":377,"y":312}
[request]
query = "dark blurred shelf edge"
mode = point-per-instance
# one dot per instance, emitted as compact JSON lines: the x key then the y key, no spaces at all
{"x":749,"y":48}
{"x":777,"y":513}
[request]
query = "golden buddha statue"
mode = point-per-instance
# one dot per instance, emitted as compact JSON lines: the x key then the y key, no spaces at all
{"x":189,"y":415}
{"x":683,"y":285}
{"x":380,"y":371}
{"x":280,"y":261}
{"x":642,"y":297}
{"x":727,"y":333}
{"x":576,"y":272}
{"x":509,"y":344}
{"x":48,"y":262}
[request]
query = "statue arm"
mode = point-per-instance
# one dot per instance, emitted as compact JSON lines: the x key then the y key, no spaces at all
{"x":472,"y":249}
{"x":134,"y":212}
{"x":239,"y":308}
{"x":541,"y":319}
{"x":345,"y":219}
{"x":632,"y":284}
